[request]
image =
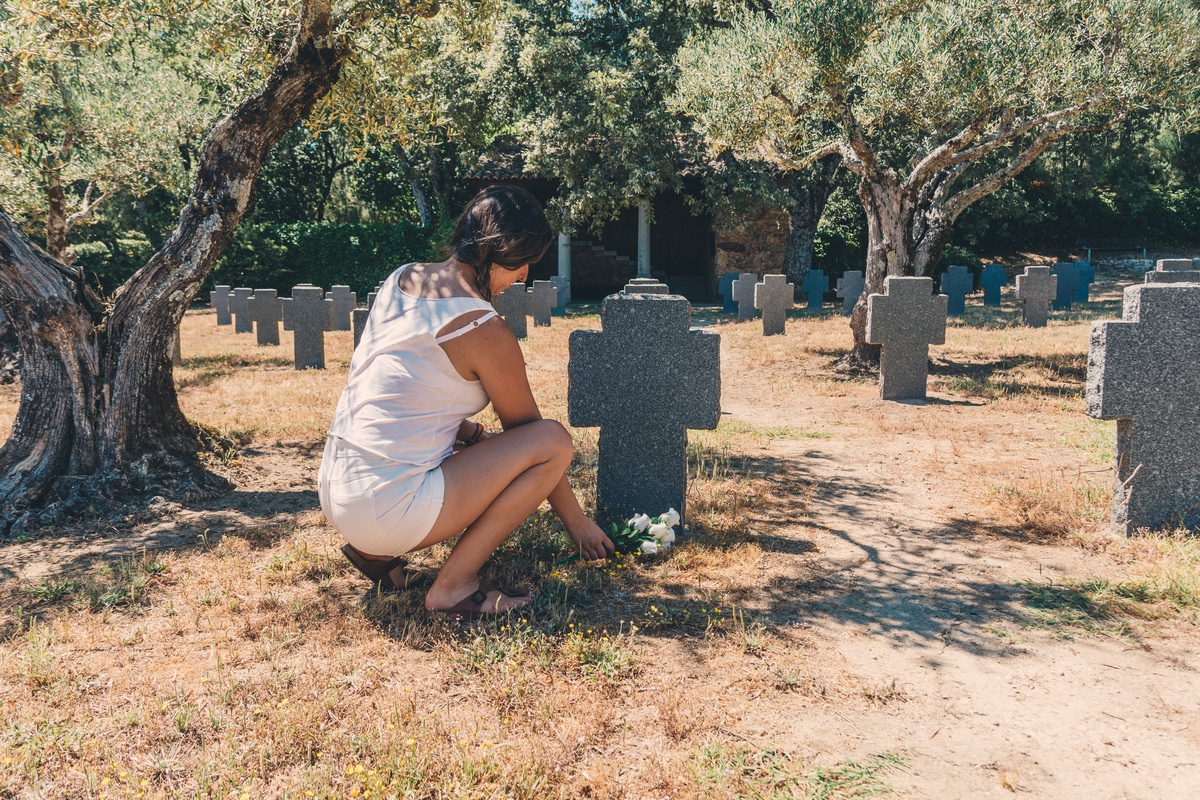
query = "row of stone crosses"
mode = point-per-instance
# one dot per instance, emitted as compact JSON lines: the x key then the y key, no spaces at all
{"x":646,"y":377}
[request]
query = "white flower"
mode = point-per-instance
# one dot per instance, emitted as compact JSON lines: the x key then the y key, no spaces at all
{"x":671,"y":518}
{"x":639,"y":523}
{"x":668,"y":537}
{"x":649,"y":548}
{"x":659,"y":530}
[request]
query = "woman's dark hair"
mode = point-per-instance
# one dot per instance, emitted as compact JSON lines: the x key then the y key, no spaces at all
{"x":502,"y":225}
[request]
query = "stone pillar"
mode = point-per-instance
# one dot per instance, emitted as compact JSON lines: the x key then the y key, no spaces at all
{"x":564,"y":257}
{"x":643,"y":254}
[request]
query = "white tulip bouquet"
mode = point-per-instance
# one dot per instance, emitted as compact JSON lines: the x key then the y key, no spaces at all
{"x":641,"y":534}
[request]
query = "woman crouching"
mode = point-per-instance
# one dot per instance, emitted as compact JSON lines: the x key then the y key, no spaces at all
{"x":433,"y":354}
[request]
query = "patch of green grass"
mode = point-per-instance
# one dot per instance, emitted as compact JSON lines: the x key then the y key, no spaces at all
{"x":1097,"y":607}
{"x":603,"y":659}
{"x":741,"y":772}
{"x":1094,"y":439}
{"x":768,"y":432}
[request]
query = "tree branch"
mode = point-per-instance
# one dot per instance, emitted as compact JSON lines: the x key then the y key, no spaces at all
{"x":1005,"y":135}
{"x":795,"y":109}
{"x":936,"y":158}
{"x":87,"y":209}
{"x":959,"y":202}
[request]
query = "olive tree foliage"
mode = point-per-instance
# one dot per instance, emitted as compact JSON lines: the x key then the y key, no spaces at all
{"x":87,"y":123}
{"x":585,"y":84}
{"x":99,"y":417}
{"x":933,"y":104}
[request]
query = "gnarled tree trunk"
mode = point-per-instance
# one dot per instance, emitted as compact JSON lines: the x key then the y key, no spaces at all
{"x":99,"y":417}
{"x":890,"y":248}
{"x":809,"y":190}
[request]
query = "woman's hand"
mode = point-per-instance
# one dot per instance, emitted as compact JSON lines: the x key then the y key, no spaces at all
{"x":591,"y":541}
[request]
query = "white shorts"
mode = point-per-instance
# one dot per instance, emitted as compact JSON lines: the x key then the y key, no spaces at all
{"x":377,"y":511}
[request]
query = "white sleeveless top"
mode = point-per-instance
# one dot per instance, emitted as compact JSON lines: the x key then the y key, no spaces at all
{"x":404,"y":401}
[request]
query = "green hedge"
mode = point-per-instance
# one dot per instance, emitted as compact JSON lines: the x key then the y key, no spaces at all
{"x":281,"y":255}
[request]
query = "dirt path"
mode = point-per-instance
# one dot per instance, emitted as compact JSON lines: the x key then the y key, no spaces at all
{"x":915,"y":587}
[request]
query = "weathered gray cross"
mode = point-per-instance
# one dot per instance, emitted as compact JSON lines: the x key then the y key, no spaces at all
{"x":646,"y":286}
{"x":1036,"y":288}
{"x":266,"y":312}
{"x":957,"y":281}
{"x":564,"y":295}
{"x":515,"y":304}
{"x":1144,"y":372}
{"x":344,"y":302}
{"x":545,"y":297}
{"x":993,"y":278}
{"x":743,"y":295}
{"x":1174,"y":270}
{"x":850,"y":288}
{"x":237,"y":307}
{"x":774,"y":296}
{"x":309,"y":314}
{"x":906,"y":319}
{"x":219,"y":299}
{"x":645,"y":379}
{"x":725,"y":288}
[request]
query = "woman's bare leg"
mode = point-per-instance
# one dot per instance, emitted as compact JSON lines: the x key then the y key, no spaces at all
{"x":491,"y":488}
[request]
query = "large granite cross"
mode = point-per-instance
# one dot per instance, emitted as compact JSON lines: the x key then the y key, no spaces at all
{"x":743,"y":293}
{"x":515,"y":304}
{"x":1174,"y":270}
{"x":1087,"y":276}
{"x":850,"y":288}
{"x":725,"y":289}
{"x":905,"y":319}
{"x":545,"y":297}
{"x":266,"y":312}
{"x":645,"y":379}
{"x":1036,"y":289}
{"x":1068,"y":280}
{"x":219,"y":299}
{"x":774,"y":296}
{"x":816,"y":283}
{"x":1144,"y":372}
{"x":309,"y":314}
{"x":993,"y":279}
{"x":237,"y":307}
{"x":344,"y":302}
{"x":563,"y":287}
{"x":957,"y":282}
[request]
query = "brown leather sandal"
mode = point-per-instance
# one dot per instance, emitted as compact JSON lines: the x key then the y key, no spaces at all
{"x":379,"y":572}
{"x":474,"y":607}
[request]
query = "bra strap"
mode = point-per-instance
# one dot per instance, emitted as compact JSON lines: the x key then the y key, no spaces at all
{"x":470,"y":326}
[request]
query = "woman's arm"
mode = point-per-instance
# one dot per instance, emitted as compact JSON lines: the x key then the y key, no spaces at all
{"x":492,"y":353}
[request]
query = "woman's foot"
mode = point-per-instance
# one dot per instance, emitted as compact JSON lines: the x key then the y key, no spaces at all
{"x":474,"y":600}
{"x":387,"y":573}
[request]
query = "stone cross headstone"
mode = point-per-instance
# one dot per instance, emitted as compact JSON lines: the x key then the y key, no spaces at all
{"x":725,"y":288}
{"x":774,"y":296}
{"x":219,"y":299}
{"x":1174,"y":270}
{"x":816,"y":283}
{"x":906,"y":319}
{"x":645,"y":379}
{"x":1068,"y":279}
{"x":515,"y":304}
{"x":957,"y":282}
{"x":1087,"y":276}
{"x":545,"y":296}
{"x":563,"y":287}
{"x":344,"y":302}
{"x":1036,"y":289}
{"x":1144,"y":372}
{"x":743,"y":293}
{"x":266,"y":312}
{"x":850,"y":288}
{"x":994,"y":278}
{"x":237,"y":307}
{"x":309,"y":314}
{"x":646,"y":286}
{"x":358,"y":318}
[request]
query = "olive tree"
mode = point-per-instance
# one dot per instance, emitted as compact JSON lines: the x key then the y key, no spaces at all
{"x":98,"y":414}
{"x":933,"y":104}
